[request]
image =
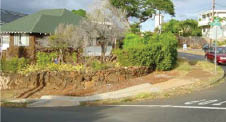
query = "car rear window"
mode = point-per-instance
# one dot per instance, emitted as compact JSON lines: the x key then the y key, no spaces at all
{"x":221,"y":50}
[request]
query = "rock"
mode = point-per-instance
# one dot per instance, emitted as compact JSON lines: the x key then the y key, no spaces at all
{"x":89,"y":84}
{"x":4,"y":83}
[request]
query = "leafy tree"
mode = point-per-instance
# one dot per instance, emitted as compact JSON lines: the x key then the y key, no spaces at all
{"x":172,"y":26}
{"x":80,"y":12}
{"x":144,"y":9}
{"x":185,"y":28}
{"x":135,"y":28}
{"x":190,"y":27}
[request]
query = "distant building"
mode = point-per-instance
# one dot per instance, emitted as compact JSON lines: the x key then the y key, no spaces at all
{"x":159,"y":19}
{"x":206,"y":18}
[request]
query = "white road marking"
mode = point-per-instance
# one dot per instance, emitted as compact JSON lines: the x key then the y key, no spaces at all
{"x":193,"y":102}
{"x":219,"y":104}
{"x":207,"y":102}
{"x":171,"y":106}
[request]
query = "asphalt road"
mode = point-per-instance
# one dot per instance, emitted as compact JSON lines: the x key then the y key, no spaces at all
{"x":205,"y":106}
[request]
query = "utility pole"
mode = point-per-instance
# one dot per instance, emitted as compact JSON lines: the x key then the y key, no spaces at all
{"x":213,"y":9}
{"x":160,"y":28}
{"x":215,"y":42}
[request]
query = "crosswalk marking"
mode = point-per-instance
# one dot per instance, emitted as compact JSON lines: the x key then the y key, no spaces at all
{"x":171,"y":106}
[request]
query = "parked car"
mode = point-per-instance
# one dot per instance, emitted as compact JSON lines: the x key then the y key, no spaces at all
{"x":220,"y":55}
{"x":205,"y":47}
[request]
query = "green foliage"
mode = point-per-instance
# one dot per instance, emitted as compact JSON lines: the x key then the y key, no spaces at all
{"x":190,"y":27}
{"x":51,"y":67}
{"x":160,"y":53}
{"x":45,"y":58}
{"x":13,"y":65}
{"x":135,"y":28}
{"x":80,"y":12}
{"x":221,"y":43}
{"x":172,"y":26}
{"x":133,"y":40}
{"x":56,"y":42}
{"x":184,"y":28}
{"x":97,"y":65}
{"x":144,"y":9}
{"x":74,"y":57}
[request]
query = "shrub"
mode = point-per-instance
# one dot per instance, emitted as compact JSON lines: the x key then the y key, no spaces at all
{"x":221,"y":43}
{"x":97,"y":65}
{"x":52,"y":67}
{"x":132,"y":40}
{"x":139,"y":56}
{"x":160,"y":53}
{"x":45,"y":58}
{"x":14,"y":64}
{"x":74,"y":57}
{"x":168,"y":52}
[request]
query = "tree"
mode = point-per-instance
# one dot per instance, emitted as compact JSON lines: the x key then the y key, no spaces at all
{"x":66,"y":36}
{"x":135,"y":28}
{"x":106,"y":25}
{"x":190,"y":27}
{"x":185,"y":28}
{"x":80,"y":12}
{"x":144,"y":9}
{"x":172,"y":26}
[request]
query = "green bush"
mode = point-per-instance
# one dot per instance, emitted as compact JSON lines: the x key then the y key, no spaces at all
{"x":160,"y":53}
{"x":74,"y":57}
{"x":45,"y":58}
{"x":97,"y":65}
{"x":221,"y":43}
{"x":132,"y":40}
{"x":14,"y":64}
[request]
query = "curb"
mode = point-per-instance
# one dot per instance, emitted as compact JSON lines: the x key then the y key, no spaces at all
{"x":222,"y":77}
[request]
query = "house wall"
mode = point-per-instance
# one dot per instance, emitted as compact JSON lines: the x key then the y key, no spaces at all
{"x":206,"y":17}
{"x":21,"y":51}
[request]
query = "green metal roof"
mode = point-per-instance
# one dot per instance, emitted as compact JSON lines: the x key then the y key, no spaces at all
{"x":44,"y":21}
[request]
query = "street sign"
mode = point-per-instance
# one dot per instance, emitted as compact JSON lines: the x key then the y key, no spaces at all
{"x":216,"y":32}
{"x":216,"y":22}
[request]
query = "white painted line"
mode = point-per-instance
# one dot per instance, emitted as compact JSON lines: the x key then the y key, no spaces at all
{"x":194,"y":102}
{"x":171,"y":106}
{"x":219,"y":104}
{"x":207,"y":102}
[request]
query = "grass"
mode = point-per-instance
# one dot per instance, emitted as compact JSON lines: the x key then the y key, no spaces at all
{"x":13,"y":105}
{"x":183,"y":65}
{"x":192,"y":51}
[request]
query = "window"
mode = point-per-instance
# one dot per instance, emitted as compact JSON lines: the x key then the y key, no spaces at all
{"x":21,"y":40}
{"x":5,"y":42}
{"x":204,"y":30}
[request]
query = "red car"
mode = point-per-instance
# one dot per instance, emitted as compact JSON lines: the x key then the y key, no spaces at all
{"x":221,"y":55}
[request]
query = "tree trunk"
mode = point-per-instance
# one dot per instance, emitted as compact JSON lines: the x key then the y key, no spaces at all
{"x":103,"y":51}
{"x":61,"y":57}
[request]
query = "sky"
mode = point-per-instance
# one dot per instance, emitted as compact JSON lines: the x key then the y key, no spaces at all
{"x":184,"y":9}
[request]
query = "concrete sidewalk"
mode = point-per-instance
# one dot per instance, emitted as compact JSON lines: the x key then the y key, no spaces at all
{"x":53,"y":101}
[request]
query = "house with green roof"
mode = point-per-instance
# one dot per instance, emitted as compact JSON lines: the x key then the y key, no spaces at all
{"x":22,"y":34}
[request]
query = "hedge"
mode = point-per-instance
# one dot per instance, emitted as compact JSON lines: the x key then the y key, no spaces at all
{"x":13,"y":65}
{"x":160,"y":53}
